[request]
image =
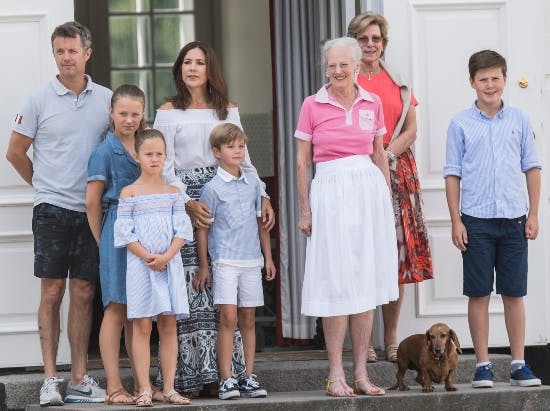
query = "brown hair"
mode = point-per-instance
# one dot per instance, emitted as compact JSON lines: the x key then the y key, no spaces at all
{"x":147,"y":134}
{"x":486,"y":59}
{"x":226,"y":133}
{"x":73,"y":29}
{"x":216,"y":89}
{"x":360,"y":22}
{"x":129,"y":90}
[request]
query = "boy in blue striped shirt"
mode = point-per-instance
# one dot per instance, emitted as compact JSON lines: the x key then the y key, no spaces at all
{"x":490,"y":147}
{"x":234,"y":242}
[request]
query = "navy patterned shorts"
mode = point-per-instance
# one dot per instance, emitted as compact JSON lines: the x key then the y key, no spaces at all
{"x":63,"y":244}
{"x":496,"y":253}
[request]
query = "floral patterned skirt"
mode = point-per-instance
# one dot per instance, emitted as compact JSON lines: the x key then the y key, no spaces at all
{"x":197,"y":357}
{"x":414,"y":256}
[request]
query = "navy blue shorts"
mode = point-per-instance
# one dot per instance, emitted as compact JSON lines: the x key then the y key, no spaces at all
{"x":63,"y":244}
{"x":495,"y":246}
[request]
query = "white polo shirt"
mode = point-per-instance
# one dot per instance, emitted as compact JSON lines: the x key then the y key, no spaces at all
{"x":65,"y":129}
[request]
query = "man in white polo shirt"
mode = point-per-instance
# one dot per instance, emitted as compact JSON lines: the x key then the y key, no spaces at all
{"x":63,"y":121}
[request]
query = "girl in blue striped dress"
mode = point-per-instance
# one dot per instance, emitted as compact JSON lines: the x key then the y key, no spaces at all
{"x":153,"y":225}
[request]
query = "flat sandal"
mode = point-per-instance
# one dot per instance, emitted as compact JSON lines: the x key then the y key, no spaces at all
{"x":145,"y":399}
{"x":372,"y":389}
{"x":371,"y":354}
{"x":331,"y":393}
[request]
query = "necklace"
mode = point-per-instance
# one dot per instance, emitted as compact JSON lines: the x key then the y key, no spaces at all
{"x":370,"y":73}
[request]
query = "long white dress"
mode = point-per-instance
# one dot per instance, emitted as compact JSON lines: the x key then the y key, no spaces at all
{"x":154,"y":220}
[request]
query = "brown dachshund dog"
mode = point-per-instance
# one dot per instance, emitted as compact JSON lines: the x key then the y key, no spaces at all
{"x":433,"y":355}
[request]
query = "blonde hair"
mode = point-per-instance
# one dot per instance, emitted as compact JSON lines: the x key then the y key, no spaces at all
{"x":226,"y":133}
{"x":360,"y":22}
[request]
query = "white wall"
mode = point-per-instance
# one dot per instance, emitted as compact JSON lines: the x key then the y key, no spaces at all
{"x":25,"y":29}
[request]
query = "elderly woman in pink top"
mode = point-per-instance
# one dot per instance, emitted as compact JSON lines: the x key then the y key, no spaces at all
{"x":346,"y":212}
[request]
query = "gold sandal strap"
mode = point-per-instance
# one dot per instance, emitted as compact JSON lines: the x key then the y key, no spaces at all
{"x":329,"y":382}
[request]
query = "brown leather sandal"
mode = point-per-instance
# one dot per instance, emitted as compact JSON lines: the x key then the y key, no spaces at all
{"x":120,"y":397}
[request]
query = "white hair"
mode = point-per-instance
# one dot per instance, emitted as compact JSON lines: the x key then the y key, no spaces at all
{"x":349,"y":42}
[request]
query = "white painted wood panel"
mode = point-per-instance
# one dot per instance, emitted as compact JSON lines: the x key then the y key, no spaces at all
{"x":25,"y":29}
{"x":431,"y":41}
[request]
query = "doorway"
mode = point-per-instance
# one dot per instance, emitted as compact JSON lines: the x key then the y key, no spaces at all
{"x":136,"y":42}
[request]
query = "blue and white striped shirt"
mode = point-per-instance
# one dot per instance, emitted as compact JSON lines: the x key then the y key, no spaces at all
{"x":490,"y":155}
{"x":235,"y":204}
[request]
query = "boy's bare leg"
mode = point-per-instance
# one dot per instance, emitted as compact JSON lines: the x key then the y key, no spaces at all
{"x":247,"y":325}
{"x":228,"y":323}
{"x":514,"y":317}
{"x":478,"y":320}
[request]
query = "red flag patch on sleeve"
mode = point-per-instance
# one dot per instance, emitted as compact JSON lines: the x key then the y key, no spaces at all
{"x":19,"y":119}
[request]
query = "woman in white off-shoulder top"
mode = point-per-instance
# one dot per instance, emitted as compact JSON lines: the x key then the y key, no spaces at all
{"x":186,"y":120}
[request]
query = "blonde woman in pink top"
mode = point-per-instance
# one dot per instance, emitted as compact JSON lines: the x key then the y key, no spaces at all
{"x":346,"y":212}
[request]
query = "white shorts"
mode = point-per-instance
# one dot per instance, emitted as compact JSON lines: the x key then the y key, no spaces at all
{"x":240,"y":286}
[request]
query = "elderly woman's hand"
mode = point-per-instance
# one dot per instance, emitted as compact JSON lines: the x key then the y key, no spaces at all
{"x":304,"y":223}
{"x":199,"y":213}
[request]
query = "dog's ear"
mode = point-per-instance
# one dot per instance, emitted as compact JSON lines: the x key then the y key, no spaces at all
{"x":428,"y":339}
{"x":455,"y":340}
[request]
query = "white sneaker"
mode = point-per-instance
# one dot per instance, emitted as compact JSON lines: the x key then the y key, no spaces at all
{"x":87,"y":390}
{"x":49,"y":392}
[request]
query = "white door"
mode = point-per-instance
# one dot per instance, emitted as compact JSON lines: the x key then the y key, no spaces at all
{"x":431,"y":41}
{"x":25,"y":29}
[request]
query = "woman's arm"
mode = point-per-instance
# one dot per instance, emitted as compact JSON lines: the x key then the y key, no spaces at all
{"x":304,"y":156}
{"x":202,"y":279}
{"x":406,"y":138}
{"x":265,"y":243}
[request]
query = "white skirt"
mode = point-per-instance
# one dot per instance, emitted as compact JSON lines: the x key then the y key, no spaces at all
{"x":351,"y":255}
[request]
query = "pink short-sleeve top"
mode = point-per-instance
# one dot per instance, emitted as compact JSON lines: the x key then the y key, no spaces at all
{"x":335,"y":132}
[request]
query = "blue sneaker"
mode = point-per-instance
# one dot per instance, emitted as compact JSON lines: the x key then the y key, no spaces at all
{"x":524,"y":377}
{"x":228,"y":388}
{"x":483,"y":377}
{"x":250,"y":388}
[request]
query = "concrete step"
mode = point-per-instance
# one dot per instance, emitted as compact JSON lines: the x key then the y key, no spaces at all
{"x":292,"y":374}
{"x":502,"y":397}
